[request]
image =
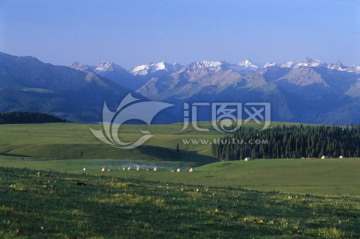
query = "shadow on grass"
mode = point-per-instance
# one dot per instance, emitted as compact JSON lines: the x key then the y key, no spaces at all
{"x":167,"y":154}
{"x":13,"y":155}
{"x":103,"y":151}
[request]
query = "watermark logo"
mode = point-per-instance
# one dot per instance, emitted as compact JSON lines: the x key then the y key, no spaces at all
{"x":130,"y":108}
{"x":227,"y":117}
{"x":233,"y":141}
{"x":259,"y":112}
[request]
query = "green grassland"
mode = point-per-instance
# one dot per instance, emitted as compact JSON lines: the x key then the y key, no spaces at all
{"x":74,"y":141}
{"x":42,"y":204}
{"x":72,"y":147}
{"x":46,"y":194}
{"x":331,"y":177}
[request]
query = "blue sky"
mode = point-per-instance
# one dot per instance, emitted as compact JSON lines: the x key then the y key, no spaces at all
{"x":134,"y":32}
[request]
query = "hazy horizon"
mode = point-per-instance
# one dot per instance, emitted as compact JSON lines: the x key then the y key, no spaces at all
{"x":132,"y":33}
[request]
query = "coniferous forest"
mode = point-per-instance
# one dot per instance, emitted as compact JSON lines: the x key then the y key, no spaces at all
{"x":27,"y":118}
{"x":289,"y":142}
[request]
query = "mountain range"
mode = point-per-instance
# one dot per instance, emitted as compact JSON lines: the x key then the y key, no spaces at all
{"x":310,"y":91}
{"x":27,"y":84}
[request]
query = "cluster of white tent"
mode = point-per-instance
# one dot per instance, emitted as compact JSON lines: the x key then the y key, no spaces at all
{"x":325,"y":157}
{"x":138,"y":168}
{"x":322,"y":157}
{"x":190,"y":170}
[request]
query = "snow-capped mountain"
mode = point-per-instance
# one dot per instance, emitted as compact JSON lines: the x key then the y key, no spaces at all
{"x":337,"y":66}
{"x":108,"y":66}
{"x":207,"y":65}
{"x":246,"y":63}
{"x":105,"y":66}
{"x":308,"y":62}
{"x":71,"y":93}
{"x":80,"y":67}
{"x":140,"y":75}
{"x":300,"y":91}
{"x":112,"y":72}
{"x":152,"y":68}
{"x":353,"y":68}
{"x":310,"y":91}
{"x":288,"y":64}
{"x":269,"y":65}
{"x":243,"y":67}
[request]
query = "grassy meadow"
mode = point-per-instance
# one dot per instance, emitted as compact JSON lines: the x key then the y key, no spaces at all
{"x":41,"y":204}
{"x":47,"y":194}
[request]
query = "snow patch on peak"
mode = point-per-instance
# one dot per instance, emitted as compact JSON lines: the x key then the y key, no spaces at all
{"x":308,"y":62}
{"x":244,"y":67}
{"x":160,"y":66}
{"x":207,"y":65}
{"x":105,"y":66}
{"x":269,"y":65}
{"x":80,"y":67}
{"x":287,"y":64}
{"x":140,"y":70}
{"x":154,"y":67}
{"x":337,"y":66}
{"x":353,"y":68}
{"x":247,"y":63}
{"x":212,"y":64}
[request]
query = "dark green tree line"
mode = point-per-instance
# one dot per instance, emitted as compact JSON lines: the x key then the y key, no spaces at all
{"x":289,"y":142}
{"x":27,"y":118}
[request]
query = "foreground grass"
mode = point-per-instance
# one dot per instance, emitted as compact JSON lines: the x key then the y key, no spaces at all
{"x":330,"y":177}
{"x":43,"y":204}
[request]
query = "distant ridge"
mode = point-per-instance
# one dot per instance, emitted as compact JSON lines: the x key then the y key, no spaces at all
{"x":310,"y":91}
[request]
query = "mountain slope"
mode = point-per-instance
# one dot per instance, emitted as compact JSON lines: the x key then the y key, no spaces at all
{"x":310,"y":91}
{"x":113,"y":72}
{"x":28,"y":84}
